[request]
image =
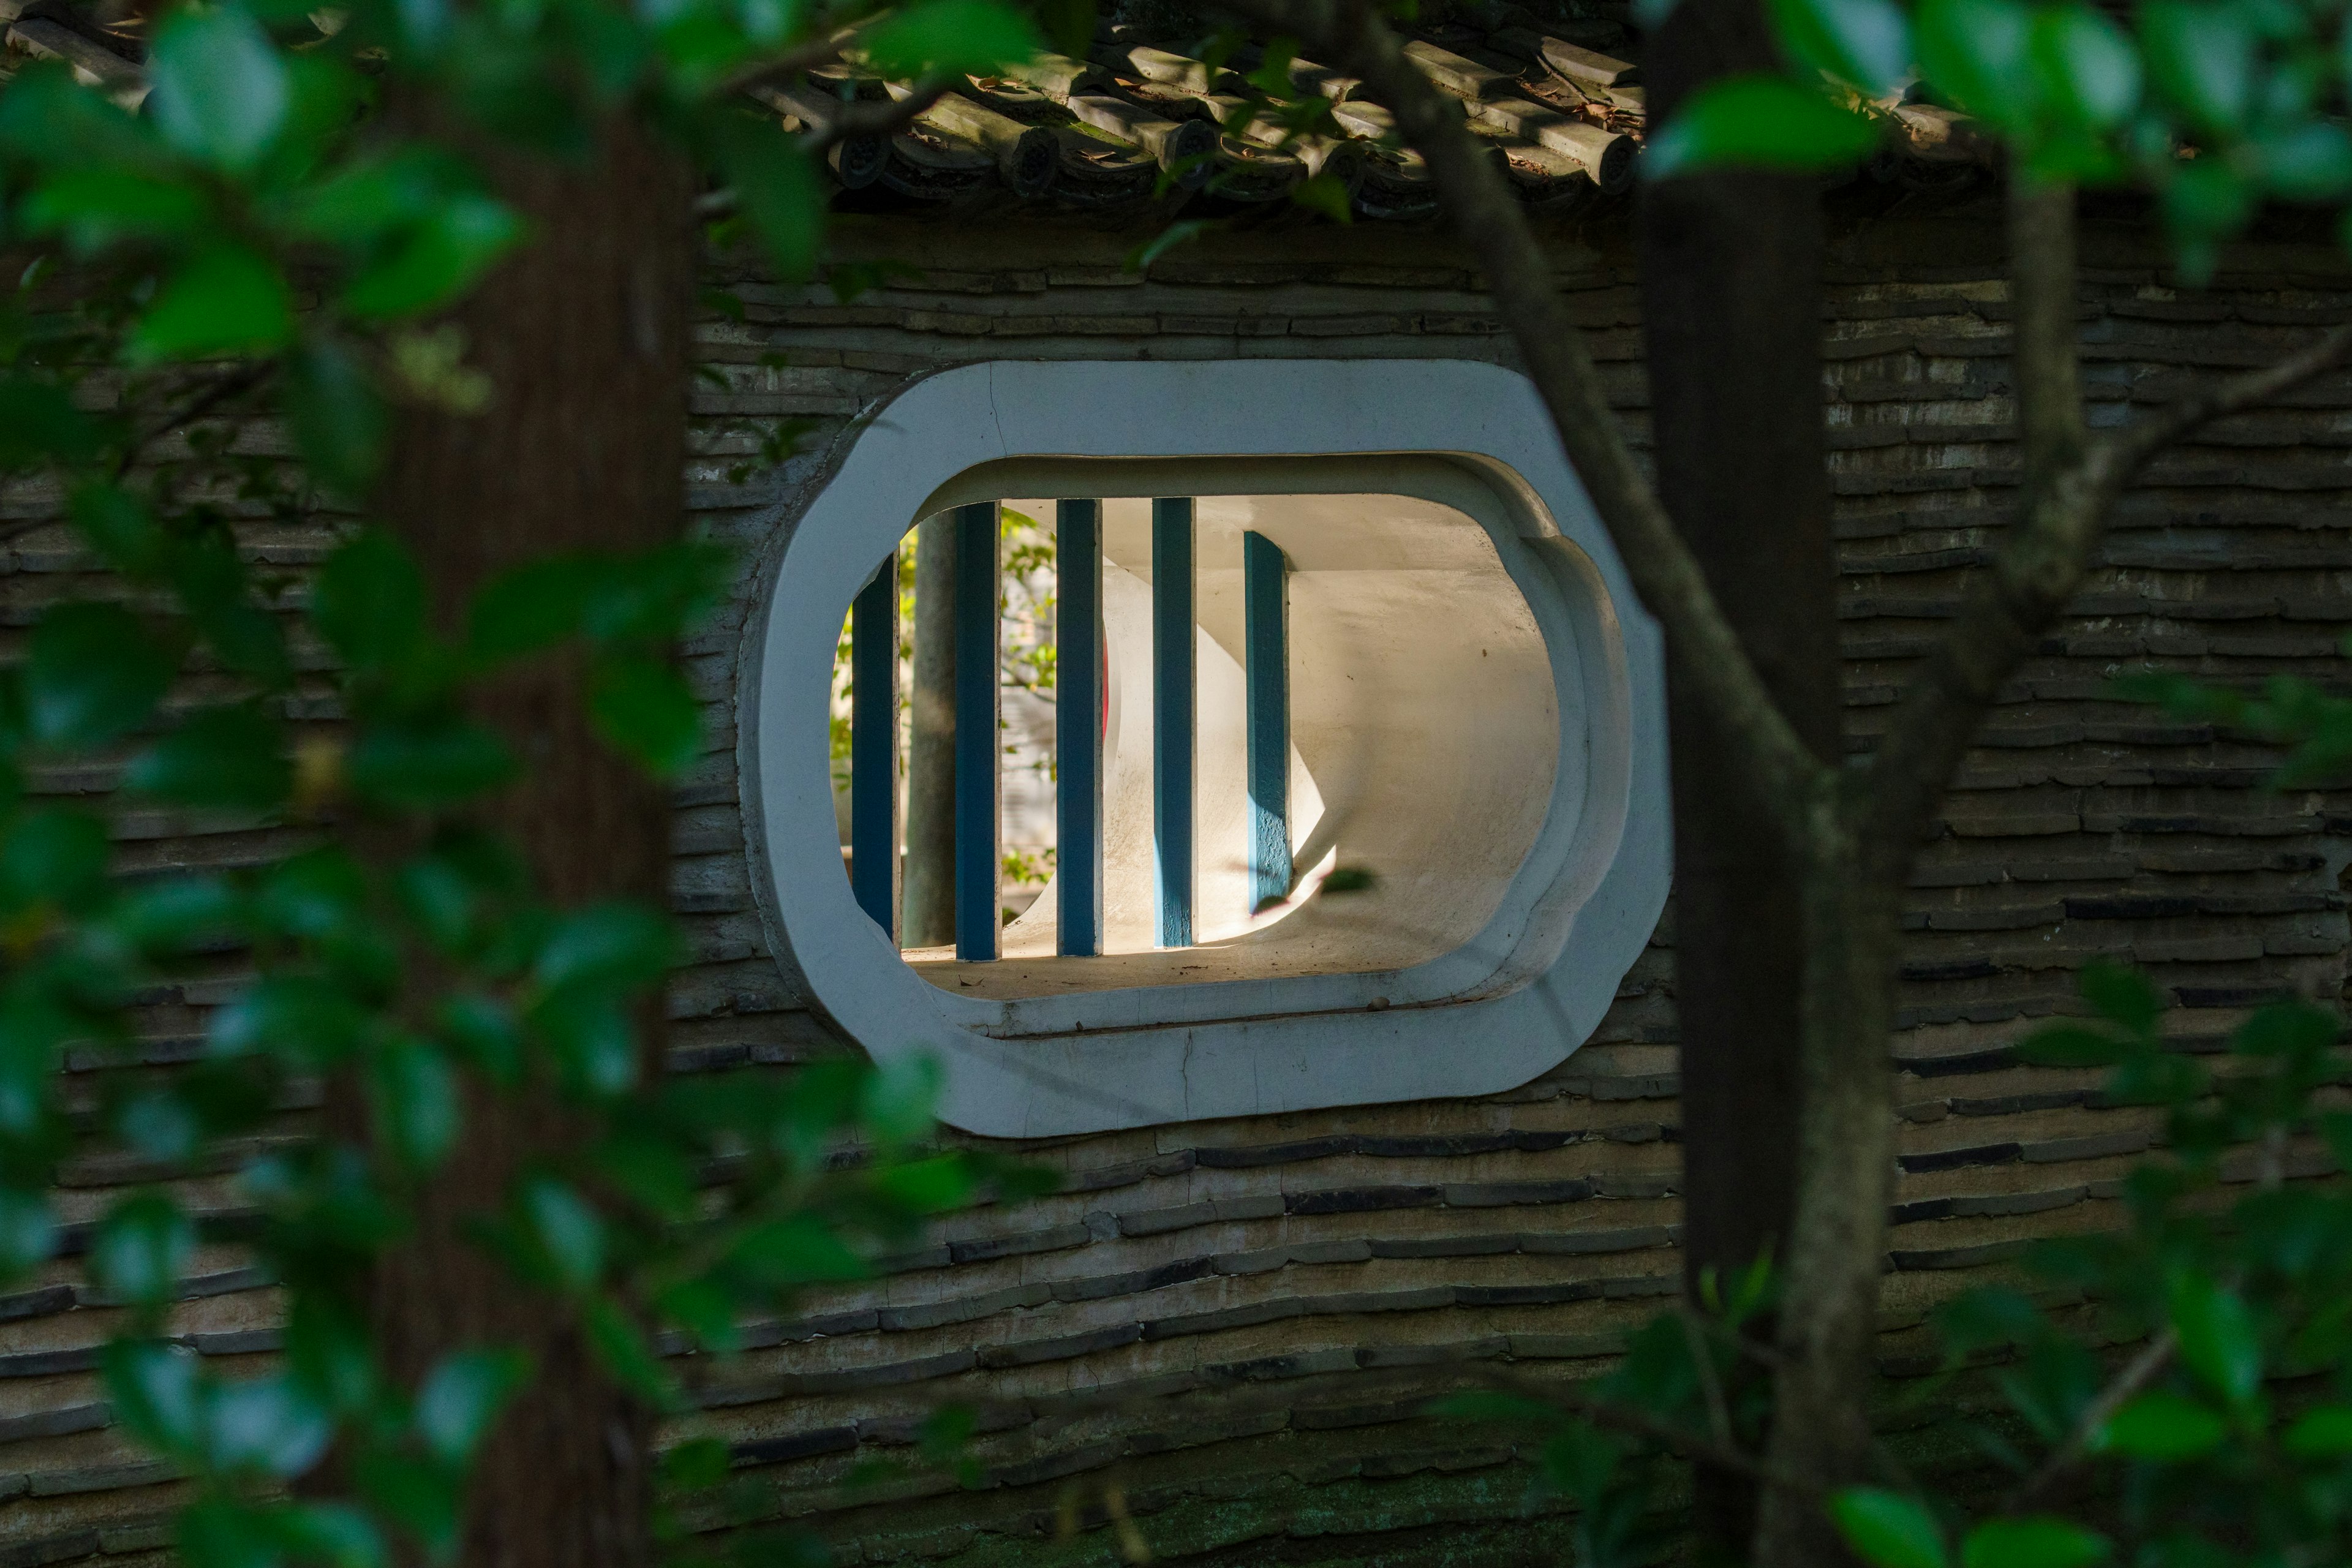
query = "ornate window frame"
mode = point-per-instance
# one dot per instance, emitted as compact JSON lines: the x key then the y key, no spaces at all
{"x":1492,"y":1014}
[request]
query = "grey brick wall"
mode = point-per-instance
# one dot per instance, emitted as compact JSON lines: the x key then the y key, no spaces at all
{"x":1219,"y":1323}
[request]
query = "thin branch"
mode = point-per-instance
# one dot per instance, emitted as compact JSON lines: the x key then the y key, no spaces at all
{"x":2048,"y":552}
{"x":840,"y":123}
{"x":799,"y":59}
{"x":2152,"y":1359}
{"x":1707,"y":652}
{"x":219,"y":388}
{"x":1710,"y":1381}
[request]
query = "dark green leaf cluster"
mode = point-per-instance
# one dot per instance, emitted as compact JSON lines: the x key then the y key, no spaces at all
{"x":2217,"y":106}
{"x":260,"y":240}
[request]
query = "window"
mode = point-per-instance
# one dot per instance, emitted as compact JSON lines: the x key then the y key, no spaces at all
{"x":1376,"y":798}
{"x":1357,"y":698}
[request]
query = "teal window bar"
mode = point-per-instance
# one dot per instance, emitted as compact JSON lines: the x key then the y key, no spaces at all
{"x":874,"y":747}
{"x":977,"y":863}
{"x":1266,"y":641}
{"x":1172,"y":702}
{"x":1078,"y":714}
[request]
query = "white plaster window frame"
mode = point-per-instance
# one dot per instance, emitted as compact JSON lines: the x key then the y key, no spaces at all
{"x":1499,"y":1010}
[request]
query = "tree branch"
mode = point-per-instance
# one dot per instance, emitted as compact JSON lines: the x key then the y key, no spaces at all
{"x":1707,"y":652}
{"x":219,"y":388}
{"x":2072,"y":482}
{"x":2152,"y":1359}
{"x":841,"y":121}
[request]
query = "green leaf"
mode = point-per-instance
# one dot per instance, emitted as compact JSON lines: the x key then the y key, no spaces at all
{"x":157,"y":1391}
{"x":142,"y":1249}
{"x":224,"y":300}
{"x":438,"y":761}
{"x":2033,"y":1543}
{"x":698,"y":1464}
{"x":896,"y":1102}
{"x":2217,"y":1339}
{"x":93,"y":676}
{"x":2287,"y":1029}
{"x":592,"y":1038}
{"x":336,"y":1534}
{"x":1327,"y":194}
{"x":2201,"y":57}
{"x":565,"y":1230}
{"x":232,"y":758}
{"x":2308,"y":162}
{"x":417,"y":1101}
{"x":1181,"y":232}
{"x":40,"y":425}
{"x":118,"y":525}
{"x":777,"y":186}
{"x":2324,"y":1433}
{"x":462,"y":1396}
{"x":1978,"y":55}
{"x":623,"y":1349}
{"x":220,"y":86}
{"x":340,"y":420}
{"x":2124,"y":995}
{"x":299,"y":1016}
{"x":96,"y":206}
{"x":56,"y":855}
{"x":437,"y":259}
{"x":1864,"y":42}
{"x":49,"y":118}
{"x":530,"y":607}
{"x":935,"y":1185}
{"x":2072,"y":1046}
{"x":644,"y":707}
{"x":266,"y":1424}
{"x":609,"y":944}
{"x":484,"y":1031}
{"x":952,"y":38}
{"x":216,"y":591}
{"x":28,"y":1233}
{"x":795,"y":1251}
{"x":2162,"y":1426}
{"x":1888,"y":1529}
{"x":2088,"y":70}
{"x":370,"y":601}
{"x":220,"y":1531}
{"x":1761,"y":122}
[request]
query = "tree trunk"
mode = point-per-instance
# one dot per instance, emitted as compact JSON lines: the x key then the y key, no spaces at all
{"x":583,"y":335}
{"x":1731,"y":270}
{"x":1829,"y":1308}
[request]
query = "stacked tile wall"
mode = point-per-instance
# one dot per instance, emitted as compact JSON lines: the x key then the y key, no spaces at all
{"x":1223,"y":1330}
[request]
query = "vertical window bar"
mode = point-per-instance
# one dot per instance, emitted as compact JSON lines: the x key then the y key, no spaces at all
{"x":1266,"y":638}
{"x":1171,"y":716}
{"x":1077,"y":725}
{"x":874,"y":746}
{"x":976,"y":742}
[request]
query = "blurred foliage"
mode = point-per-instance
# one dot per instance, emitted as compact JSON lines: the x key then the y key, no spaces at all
{"x":256,"y":243}
{"x":2216,"y":106}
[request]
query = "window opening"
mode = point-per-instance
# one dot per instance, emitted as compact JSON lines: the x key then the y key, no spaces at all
{"x":1117,"y":716}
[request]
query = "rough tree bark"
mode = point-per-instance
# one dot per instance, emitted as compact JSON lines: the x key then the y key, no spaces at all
{"x":1731,"y":297}
{"x":582,"y":334}
{"x":1853,"y":831}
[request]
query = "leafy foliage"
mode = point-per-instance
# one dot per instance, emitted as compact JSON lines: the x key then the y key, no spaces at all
{"x":258,"y":241}
{"x":2217,"y":106}
{"x":2174,"y":1394}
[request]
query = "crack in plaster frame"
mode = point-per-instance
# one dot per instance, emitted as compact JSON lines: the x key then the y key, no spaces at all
{"x":1506,"y":1006}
